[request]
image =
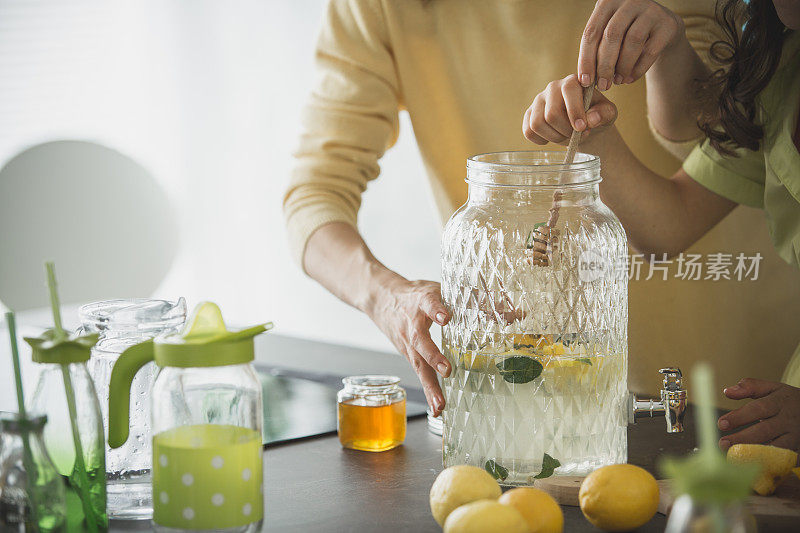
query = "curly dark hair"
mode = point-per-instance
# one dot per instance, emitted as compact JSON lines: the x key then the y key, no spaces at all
{"x":749,"y":56}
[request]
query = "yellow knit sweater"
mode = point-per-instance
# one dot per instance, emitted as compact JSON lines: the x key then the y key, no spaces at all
{"x":465,"y":71}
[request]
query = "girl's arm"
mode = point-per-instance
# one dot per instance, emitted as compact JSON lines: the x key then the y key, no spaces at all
{"x":659,"y":215}
{"x":624,"y":39}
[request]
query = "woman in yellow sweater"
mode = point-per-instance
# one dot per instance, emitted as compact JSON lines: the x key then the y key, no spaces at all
{"x":751,"y":154}
{"x":465,"y":70}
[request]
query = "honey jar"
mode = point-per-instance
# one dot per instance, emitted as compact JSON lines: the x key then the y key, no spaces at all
{"x":371,"y":413}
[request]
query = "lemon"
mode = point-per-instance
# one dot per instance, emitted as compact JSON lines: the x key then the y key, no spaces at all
{"x":476,"y":361}
{"x":776,"y":463}
{"x":619,"y":497}
{"x":458,"y":485}
{"x":796,"y":472}
{"x":538,"y":508}
{"x":485,"y":516}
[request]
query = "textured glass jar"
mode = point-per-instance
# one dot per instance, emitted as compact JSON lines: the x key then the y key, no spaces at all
{"x":371,"y":413}
{"x":538,"y":342}
{"x":121,"y":324}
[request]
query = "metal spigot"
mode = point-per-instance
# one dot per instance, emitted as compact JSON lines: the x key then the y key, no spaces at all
{"x":672,"y":404}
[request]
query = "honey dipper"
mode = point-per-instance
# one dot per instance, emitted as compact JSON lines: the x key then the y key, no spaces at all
{"x":543,"y":235}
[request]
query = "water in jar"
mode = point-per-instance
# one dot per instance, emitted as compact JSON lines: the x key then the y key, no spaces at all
{"x":508,"y":408}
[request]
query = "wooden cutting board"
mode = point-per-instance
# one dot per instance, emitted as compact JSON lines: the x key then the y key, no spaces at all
{"x":785,"y":501}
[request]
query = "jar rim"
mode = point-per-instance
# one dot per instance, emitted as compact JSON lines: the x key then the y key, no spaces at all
{"x":16,"y":423}
{"x":371,"y":384}
{"x":534,"y":168}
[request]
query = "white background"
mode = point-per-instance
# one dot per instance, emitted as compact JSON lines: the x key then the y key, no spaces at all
{"x":207,"y":95}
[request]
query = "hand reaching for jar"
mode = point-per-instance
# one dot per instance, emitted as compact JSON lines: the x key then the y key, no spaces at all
{"x":405,"y":311}
{"x":558,"y":110}
{"x":774,"y":414}
{"x":337,"y":257}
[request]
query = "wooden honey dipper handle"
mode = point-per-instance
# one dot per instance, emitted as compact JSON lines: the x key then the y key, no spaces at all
{"x":569,"y":157}
{"x":543,"y":235}
{"x":575,"y":138}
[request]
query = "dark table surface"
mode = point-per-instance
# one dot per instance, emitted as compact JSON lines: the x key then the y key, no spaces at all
{"x":316,"y":485}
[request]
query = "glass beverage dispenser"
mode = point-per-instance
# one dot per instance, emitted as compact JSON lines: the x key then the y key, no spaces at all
{"x":534,"y":275}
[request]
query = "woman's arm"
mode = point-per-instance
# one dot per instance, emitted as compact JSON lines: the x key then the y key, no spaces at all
{"x":659,"y":215}
{"x":337,"y":257}
{"x":350,"y":121}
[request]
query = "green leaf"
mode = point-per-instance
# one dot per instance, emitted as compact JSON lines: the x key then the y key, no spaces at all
{"x":529,"y":240}
{"x":548,"y":467}
{"x":586,"y":361}
{"x":524,"y":347}
{"x":709,"y":478}
{"x":520,"y":369}
{"x":497,"y":471}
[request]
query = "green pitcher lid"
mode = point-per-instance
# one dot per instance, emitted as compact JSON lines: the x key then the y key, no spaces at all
{"x":206,"y":341}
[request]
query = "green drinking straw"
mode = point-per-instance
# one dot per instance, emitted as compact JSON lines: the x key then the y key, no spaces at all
{"x":80,"y":465}
{"x":27,"y":456}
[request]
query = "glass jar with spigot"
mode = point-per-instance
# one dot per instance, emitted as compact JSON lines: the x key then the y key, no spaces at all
{"x":534,"y":275}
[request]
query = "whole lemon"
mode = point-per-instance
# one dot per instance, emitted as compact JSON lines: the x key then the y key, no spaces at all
{"x":485,"y":516}
{"x":538,"y":508}
{"x":619,"y":497}
{"x":776,"y":464}
{"x":458,"y":485}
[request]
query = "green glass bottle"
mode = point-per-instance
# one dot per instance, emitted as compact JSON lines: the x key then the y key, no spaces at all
{"x":74,"y":435}
{"x":74,"y":438}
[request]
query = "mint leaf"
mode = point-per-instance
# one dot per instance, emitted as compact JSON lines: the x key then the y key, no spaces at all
{"x":548,"y":467}
{"x":497,"y":471}
{"x":519,"y":369}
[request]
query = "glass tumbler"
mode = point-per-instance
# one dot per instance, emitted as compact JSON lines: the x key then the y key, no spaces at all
{"x":122,"y":324}
{"x":32,"y":496}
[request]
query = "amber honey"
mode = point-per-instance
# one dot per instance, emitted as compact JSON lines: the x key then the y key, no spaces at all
{"x":372,"y":413}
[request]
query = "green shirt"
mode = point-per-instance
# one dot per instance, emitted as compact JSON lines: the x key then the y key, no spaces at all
{"x":768,"y":178}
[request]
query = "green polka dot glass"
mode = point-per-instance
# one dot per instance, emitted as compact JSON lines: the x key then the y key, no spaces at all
{"x":206,"y":419}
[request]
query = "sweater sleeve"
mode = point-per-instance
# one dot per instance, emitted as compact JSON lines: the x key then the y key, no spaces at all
{"x":702,"y":31}
{"x":350,"y":120}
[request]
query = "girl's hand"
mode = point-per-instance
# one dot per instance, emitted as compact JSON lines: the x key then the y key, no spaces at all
{"x":774,"y":413}
{"x":405,"y":311}
{"x":558,"y":110}
{"x":623,"y":38}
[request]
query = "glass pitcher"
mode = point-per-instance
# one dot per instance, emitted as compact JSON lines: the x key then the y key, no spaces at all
{"x":534,"y":275}
{"x":31,"y":490}
{"x":122,"y":324}
{"x":206,"y":420}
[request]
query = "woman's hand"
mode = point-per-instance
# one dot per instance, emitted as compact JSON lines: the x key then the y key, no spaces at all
{"x":774,"y":413}
{"x":405,"y":310}
{"x":622,"y":40}
{"x":558,"y":110}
